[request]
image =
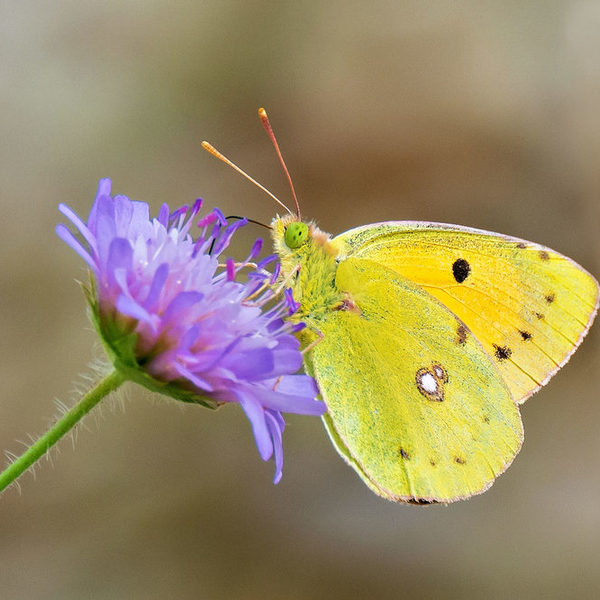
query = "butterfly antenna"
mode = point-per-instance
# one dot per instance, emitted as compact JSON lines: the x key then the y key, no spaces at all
{"x":262,"y":113}
{"x":249,"y":221}
{"x":212,"y":150}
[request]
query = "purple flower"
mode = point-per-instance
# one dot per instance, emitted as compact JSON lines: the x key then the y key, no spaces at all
{"x":176,"y":321}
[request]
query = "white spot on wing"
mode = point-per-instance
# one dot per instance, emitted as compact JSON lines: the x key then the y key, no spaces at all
{"x":431,"y":380}
{"x":428,"y":383}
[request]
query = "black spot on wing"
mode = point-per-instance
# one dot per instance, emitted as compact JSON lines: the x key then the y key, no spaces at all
{"x":525,"y":335}
{"x":404,"y":454}
{"x":544,"y":255}
{"x":461,"y":334}
{"x":421,"y":501}
{"x":540,"y":316}
{"x":502,"y":352}
{"x":522,"y":245}
{"x":461,"y":269}
{"x":550,"y":298}
{"x":459,"y":460}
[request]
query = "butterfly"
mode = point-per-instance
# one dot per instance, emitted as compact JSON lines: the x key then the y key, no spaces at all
{"x":424,"y":339}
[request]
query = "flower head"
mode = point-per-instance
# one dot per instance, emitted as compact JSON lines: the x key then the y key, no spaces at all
{"x":176,"y":321}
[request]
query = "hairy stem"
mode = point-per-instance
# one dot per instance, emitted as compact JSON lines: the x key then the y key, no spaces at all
{"x":63,"y":425}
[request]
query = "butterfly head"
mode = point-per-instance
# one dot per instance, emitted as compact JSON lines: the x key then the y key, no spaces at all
{"x":293,"y":237}
{"x":295,"y":234}
{"x":289,"y":234}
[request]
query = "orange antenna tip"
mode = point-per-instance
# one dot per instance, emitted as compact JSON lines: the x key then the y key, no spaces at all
{"x":262,"y":113}
{"x":210,"y":148}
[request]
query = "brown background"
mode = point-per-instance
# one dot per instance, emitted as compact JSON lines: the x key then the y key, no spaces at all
{"x":480,"y":113}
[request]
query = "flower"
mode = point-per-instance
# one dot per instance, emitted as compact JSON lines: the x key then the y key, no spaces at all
{"x":176,"y":321}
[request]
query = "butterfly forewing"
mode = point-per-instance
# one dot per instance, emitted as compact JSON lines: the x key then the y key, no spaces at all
{"x":529,"y":306}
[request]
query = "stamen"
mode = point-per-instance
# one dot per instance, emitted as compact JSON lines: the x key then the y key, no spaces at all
{"x":220,"y":216}
{"x":230,"y":266}
{"x":207,"y":220}
{"x":265,"y":261}
{"x":292,"y":304}
{"x":276,"y":272}
{"x":182,"y":210}
{"x":255,"y":250}
{"x":197,"y":206}
{"x":163,"y":215}
{"x":225,"y":238}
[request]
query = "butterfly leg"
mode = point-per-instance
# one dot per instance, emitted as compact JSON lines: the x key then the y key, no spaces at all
{"x":239,"y":265}
{"x":287,"y":279}
{"x":320,"y":338}
{"x":268,"y":284}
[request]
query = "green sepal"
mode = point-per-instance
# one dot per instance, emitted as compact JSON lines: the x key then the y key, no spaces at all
{"x":120,"y":348}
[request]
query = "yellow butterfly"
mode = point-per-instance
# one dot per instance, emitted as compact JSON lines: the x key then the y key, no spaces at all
{"x":424,"y":338}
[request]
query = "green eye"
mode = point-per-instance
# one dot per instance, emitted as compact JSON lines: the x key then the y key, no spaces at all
{"x":296,"y":234}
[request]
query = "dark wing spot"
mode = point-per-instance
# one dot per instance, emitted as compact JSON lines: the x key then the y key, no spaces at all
{"x":544,"y":255}
{"x":502,"y":352}
{"x":525,"y":335}
{"x":421,"y":501}
{"x":459,"y":460}
{"x":404,"y":454}
{"x":522,"y":245}
{"x":432,"y":462}
{"x":461,"y":335}
{"x":486,"y":419}
{"x":540,"y":316}
{"x":461,"y":269}
{"x":550,"y":298}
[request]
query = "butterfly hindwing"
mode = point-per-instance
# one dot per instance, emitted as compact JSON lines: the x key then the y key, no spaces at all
{"x":419,"y":416}
{"x":528,"y":306}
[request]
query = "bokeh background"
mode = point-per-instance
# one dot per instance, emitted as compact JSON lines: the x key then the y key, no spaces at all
{"x":484,"y":113}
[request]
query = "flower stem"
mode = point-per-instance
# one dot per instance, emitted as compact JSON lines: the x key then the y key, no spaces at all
{"x":63,"y":425}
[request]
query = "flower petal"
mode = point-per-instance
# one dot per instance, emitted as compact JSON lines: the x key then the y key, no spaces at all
{"x":120,"y":254}
{"x":275,"y":430}
{"x":80,"y":226}
{"x":297,"y":385}
{"x":129,"y":307}
{"x":66,"y":236}
{"x":158,"y":282}
{"x":256,"y":415}
{"x":300,"y":405}
{"x":104,"y":186}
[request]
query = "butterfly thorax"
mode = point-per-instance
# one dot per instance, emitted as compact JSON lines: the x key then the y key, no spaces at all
{"x":313,"y":266}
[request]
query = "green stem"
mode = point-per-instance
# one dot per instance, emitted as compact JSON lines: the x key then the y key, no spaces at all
{"x":63,"y":425}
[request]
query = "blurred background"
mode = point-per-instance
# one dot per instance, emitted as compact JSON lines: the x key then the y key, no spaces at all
{"x":475,"y":112}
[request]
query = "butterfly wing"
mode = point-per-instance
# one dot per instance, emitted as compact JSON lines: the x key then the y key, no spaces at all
{"x":420,"y":418}
{"x":528,"y":306}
